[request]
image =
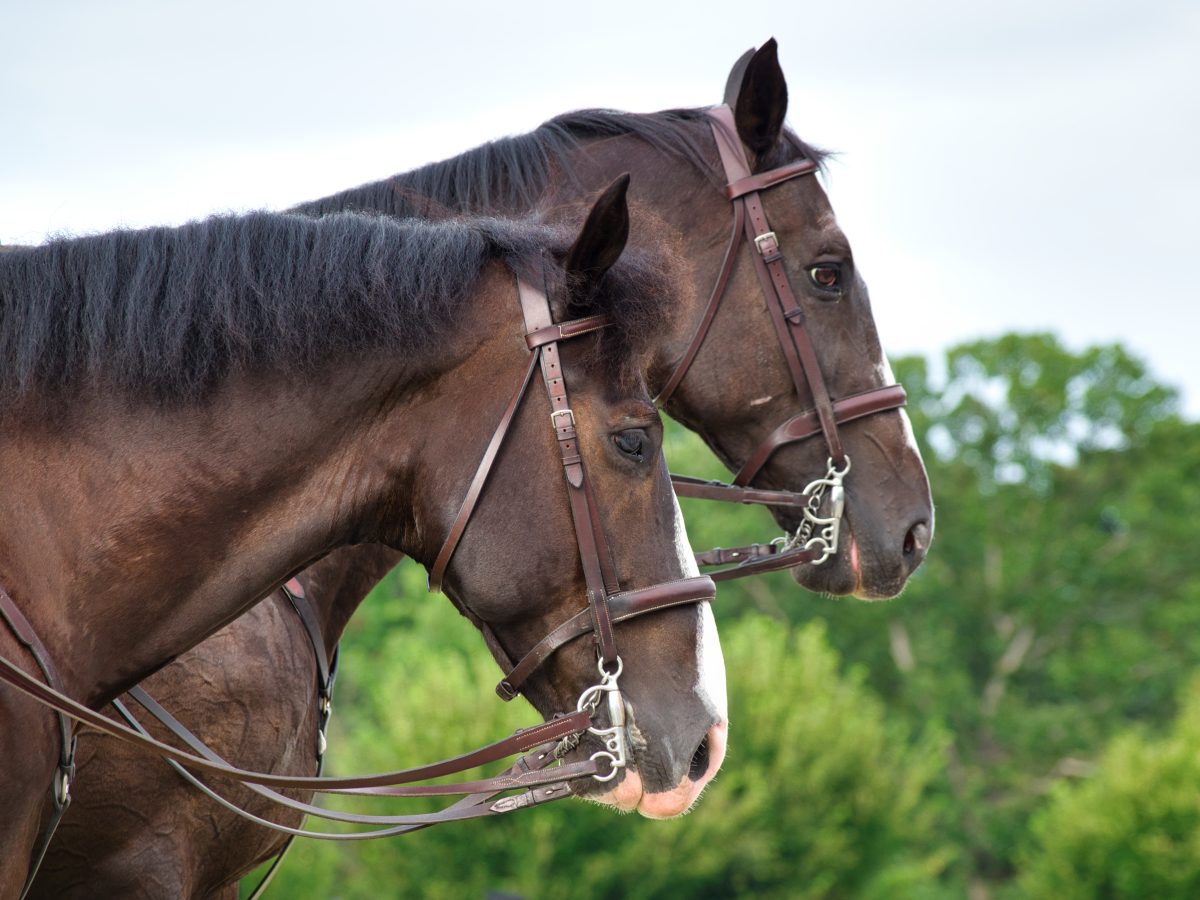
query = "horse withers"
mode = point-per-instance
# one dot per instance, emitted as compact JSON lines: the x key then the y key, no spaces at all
{"x":192,"y":415}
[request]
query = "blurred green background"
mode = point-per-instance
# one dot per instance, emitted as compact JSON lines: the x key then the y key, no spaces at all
{"x":1023,"y":722}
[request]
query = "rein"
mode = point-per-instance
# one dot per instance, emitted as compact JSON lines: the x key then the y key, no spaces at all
{"x":61,"y":786}
{"x":533,"y":774}
{"x":750,"y":221}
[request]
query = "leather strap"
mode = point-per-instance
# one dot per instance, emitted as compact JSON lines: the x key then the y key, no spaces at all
{"x":699,"y":489}
{"x":710,"y":311}
{"x":599,"y":617}
{"x":60,"y":789}
{"x":565,"y":330}
{"x":724,"y":556}
{"x":786,"y":313}
{"x":592,"y":549}
{"x":770,"y":178}
{"x":469,"y":807}
{"x":807,"y":424}
{"x":294,"y":591}
{"x":519,"y":742}
{"x":438,"y":570}
{"x":787,"y":317}
{"x":622,"y":606}
{"x":28,"y":638}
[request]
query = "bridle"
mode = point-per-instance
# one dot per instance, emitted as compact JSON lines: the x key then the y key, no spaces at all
{"x":817,"y":537}
{"x":533,"y":775}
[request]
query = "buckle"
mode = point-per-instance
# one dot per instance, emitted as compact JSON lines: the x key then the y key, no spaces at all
{"x":562,"y":412}
{"x":767,"y":244}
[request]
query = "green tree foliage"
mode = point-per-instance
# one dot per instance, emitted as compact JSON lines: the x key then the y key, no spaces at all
{"x":1057,"y":614}
{"x":1131,"y":831}
{"x":1055,"y":607}
{"x":821,"y":794}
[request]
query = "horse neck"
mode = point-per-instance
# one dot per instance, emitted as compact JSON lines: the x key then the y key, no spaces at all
{"x":130,"y":535}
{"x":337,"y":584}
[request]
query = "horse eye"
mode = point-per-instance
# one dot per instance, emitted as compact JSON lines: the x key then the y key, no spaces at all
{"x":826,"y":276}
{"x":632,"y":443}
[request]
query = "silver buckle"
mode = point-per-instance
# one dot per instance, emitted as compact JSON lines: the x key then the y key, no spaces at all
{"x":764,"y":238}
{"x":562,"y":412}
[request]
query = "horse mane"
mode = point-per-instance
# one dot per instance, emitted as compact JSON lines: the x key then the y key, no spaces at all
{"x":511,"y":174}
{"x":163,"y":315}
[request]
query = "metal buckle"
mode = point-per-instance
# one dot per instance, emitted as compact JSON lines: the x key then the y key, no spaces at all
{"x":62,"y":786}
{"x":767,"y":237}
{"x":562,"y":412}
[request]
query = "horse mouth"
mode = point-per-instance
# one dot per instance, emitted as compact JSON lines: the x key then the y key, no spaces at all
{"x":845,"y":575}
{"x":629,"y":794}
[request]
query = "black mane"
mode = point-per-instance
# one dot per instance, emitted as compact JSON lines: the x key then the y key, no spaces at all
{"x":509,"y":175}
{"x":164,"y":314}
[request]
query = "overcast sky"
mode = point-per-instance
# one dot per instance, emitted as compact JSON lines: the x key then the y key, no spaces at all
{"x":1020,"y":166}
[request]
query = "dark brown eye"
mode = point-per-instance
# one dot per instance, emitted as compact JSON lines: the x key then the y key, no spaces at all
{"x":632,"y":443}
{"x":826,"y":277}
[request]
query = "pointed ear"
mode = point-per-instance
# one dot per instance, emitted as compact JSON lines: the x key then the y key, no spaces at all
{"x":601,"y":239}
{"x":733,"y":84}
{"x":761,"y":100}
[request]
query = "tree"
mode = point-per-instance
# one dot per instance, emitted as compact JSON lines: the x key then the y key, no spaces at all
{"x":1132,"y":830}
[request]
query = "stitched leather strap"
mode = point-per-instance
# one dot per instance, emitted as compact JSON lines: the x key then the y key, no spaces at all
{"x":699,"y":489}
{"x":622,"y":606}
{"x":519,"y":742}
{"x":566,"y":330}
{"x":724,"y":556}
{"x":787,"y":317}
{"x":768,"y":179}
{"x":807,"y":424}
{"x":786,"y":314}
{"x":469,"y":807}
{"x":592,"y":548}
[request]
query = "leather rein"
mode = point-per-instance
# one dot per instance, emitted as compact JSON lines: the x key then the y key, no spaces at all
{"x":540,"y":775}
{"x":817,"y":537}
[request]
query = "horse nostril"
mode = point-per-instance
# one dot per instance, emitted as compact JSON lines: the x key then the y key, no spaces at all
{"x":699,"y":764}
{"x":916,"y":542}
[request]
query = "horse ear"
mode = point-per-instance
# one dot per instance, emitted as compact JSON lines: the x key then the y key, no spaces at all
{"x":761,"y":100}
{"x":601,"y":239}
{"x":733,"y":84}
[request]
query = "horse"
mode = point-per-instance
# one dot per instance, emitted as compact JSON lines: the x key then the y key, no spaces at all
{"x":192,"y":415}
{"x":736,"y":393}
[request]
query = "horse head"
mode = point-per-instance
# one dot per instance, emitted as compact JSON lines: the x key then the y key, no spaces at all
{"x":527,"y":561}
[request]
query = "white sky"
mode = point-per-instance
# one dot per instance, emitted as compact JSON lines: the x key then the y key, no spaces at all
{"x":1019,"y":166}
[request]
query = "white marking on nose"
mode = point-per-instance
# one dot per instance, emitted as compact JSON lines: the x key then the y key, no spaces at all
{"x":710,"y":662}
{"x":887,"y":376}
{"x":761,"y":400}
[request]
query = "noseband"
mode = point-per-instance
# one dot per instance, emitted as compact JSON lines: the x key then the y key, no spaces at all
{"x":744,"y":190}
{"x":535,"y":774}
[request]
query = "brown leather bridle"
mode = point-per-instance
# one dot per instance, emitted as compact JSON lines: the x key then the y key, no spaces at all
{"x":543,"y":744}
{"x":744,"y":190}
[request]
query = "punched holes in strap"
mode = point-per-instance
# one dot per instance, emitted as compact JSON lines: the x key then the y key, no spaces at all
{"x":536,"y":309}
{"x":768,"y":262}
